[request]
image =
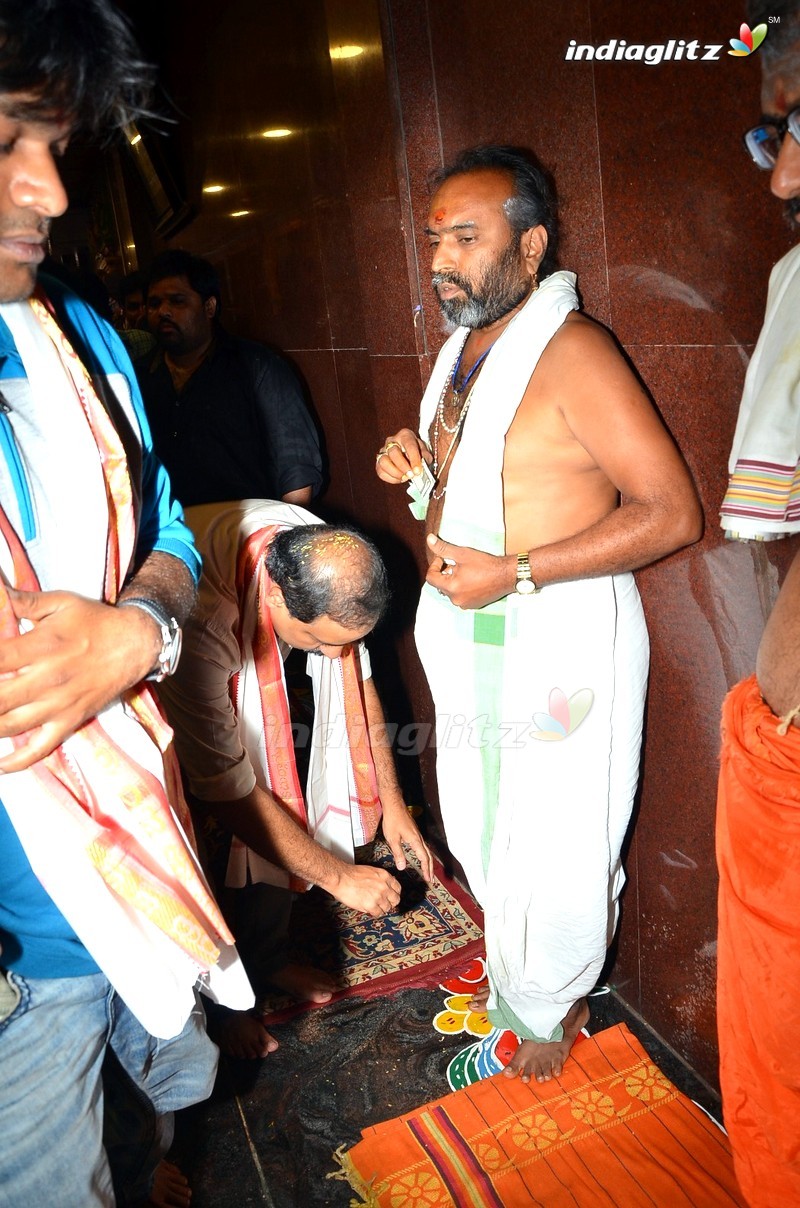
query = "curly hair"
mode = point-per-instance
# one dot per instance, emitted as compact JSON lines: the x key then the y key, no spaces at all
{"x":73,"y":60}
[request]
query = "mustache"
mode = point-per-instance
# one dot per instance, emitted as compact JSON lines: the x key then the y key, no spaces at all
{"x":452,"y":279}
{"x":15,"y":226}
{"x":791,"y":211}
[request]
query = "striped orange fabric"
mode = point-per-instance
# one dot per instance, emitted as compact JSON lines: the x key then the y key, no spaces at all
{"x":611,"y":1131}
{"x":251,"y":573}
{"x":763,"y":490}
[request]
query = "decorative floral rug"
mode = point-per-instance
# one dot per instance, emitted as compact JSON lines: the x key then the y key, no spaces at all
{"x":612,"y":1130}
{"x":436,"y":929}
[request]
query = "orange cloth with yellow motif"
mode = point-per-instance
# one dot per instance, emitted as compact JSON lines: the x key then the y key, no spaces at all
{"x":610,"y":1131}
{"x":758,"y":988}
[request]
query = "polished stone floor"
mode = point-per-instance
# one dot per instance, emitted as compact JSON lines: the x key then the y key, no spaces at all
{"x":269,"y":1134}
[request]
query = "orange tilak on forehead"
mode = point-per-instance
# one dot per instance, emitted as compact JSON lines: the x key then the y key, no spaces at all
{"x":439,"y":216}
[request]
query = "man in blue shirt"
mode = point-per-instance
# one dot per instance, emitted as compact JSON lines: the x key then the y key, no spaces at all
{"x":105,"y":922}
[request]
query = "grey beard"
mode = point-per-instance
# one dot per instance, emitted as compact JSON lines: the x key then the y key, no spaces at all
{"x":477,"y":311}
{"x":501,"y":289}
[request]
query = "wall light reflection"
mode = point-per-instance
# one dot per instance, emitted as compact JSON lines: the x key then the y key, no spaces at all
{"x":348,"y":51}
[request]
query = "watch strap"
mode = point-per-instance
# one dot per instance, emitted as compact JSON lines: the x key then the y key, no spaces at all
{"x":524,"y":584}
{"x":170,"y":634}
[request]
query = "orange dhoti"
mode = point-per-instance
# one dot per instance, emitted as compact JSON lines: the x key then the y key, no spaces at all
{"x":758,"y":991}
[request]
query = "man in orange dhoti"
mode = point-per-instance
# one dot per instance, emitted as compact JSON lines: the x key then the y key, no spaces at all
{"x":758,"y":826}
{"x":758,"y":852}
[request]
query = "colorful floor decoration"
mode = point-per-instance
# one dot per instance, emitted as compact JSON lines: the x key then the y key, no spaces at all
{"x":611,"y":1131}
{"x":492,"y":1048}
{"x":437,"y":928}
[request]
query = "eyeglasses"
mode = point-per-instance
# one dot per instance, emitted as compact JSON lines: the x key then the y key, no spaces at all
{"x":764,"y":142}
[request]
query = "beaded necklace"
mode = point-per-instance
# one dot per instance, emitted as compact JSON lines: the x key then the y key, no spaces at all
{"x":455,"y":433}
{"x":440,"y":423}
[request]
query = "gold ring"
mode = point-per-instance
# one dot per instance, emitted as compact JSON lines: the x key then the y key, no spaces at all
{"x":393,"y":444}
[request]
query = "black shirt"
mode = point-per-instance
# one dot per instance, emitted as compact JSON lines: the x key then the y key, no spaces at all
{"x":239,"y":429}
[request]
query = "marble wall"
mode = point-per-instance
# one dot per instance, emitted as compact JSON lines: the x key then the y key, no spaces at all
{"x":672,"y":233}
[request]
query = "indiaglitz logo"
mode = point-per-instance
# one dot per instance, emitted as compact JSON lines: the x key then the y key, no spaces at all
{"x":671,"y":51}
{"x":748,"y":40}
{"x":659,"y":52}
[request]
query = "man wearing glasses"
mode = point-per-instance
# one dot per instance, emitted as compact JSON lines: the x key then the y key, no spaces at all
{"x":758,"y":817}
{"x":763,"y":497}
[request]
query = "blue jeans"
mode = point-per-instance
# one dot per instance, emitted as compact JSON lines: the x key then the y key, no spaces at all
{"x":52,"y":1052}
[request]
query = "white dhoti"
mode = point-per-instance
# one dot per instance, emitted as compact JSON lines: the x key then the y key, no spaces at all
{"x":539,"y":704}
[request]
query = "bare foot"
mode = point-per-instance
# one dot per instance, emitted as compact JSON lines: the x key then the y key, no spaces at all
{"x":479,"y":999}
{"x":544,"y":1061}
{"x":242,"y":1034}
{"x":170,"y":1187}
{"x":304,"y":983}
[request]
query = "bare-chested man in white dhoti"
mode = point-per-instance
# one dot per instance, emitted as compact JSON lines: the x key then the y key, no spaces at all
{"x":530,"y":626}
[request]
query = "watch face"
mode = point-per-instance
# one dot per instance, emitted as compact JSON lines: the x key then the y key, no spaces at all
{"x":525,"y":587}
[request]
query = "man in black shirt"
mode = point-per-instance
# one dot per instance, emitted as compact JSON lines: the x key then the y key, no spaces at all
{"x":228,"y":416}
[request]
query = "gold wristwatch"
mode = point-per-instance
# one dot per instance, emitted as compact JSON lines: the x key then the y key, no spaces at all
{"x":524,"y":585}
